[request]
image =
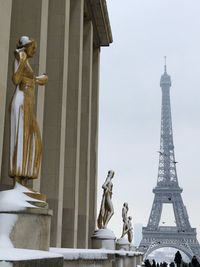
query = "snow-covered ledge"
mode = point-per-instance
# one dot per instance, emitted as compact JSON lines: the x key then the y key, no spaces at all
{"x":99,"y":257}
{"x":10,"y":257}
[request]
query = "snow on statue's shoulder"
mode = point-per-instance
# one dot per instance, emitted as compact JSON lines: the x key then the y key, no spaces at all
{"x":15,"y":199}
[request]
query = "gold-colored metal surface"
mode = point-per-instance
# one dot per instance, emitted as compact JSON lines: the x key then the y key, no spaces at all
{"x":37,"y":196}
{"x":26,"y":144}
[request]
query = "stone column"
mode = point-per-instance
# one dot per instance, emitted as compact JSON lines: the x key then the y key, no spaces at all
{"x":25,"y":20}
{"x":42,"y":69}
{"x":52,"y":170}
{"x":94,"y":143}
{"x":5,"y":19}
{"x":84,"y":170}
{"x":73,"y":116}
{"x":134,"y":261}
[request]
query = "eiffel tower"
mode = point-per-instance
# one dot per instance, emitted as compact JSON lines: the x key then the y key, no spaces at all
{"x":181,"y":236}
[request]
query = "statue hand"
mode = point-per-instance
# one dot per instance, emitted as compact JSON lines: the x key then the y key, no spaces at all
{"x":42,"y":79}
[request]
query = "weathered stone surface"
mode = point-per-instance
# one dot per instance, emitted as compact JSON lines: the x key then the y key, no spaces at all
{"x":123,"y":244}
{"x":31,"y":229}
{"x":103,"y":238}
{"x":57,"y":262}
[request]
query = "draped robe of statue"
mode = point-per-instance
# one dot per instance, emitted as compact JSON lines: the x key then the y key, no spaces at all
{"x":25,"y":138}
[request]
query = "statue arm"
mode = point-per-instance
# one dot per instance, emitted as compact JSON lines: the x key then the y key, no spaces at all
{"x":18,"y":72}
{"x":105,"y":185}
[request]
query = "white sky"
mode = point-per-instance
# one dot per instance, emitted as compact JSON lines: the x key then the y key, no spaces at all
{"x":144,"y":31}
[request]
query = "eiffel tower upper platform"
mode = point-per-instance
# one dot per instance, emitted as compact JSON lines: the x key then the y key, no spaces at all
{"x":182,"y":236}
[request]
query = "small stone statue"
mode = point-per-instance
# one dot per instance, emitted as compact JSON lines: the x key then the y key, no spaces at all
{"x":106,"y":209}
{"x":124,"y":218}
{"x":25,"y":138}
{"x":130,"y":229}
{"x":127,"y":225}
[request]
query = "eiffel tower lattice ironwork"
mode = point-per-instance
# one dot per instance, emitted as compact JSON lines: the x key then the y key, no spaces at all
{"x":181,"y":236}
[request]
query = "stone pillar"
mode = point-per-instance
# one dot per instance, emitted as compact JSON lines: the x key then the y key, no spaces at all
{"x":52,"y":169}
{"x":5,"y":19}
{"x":94,"y":143}
{"x":73,"y":116}
{"x":42,"y":69}
{"x":134,"y":261}
{"x":84,"y":170}
{"x":25,"y":20}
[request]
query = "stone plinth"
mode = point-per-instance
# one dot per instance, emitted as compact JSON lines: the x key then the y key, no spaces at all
{"x":28,"y":228}
{"x":103,"y":238}
{"x":132,"y":247}
{"x":123,"y":244}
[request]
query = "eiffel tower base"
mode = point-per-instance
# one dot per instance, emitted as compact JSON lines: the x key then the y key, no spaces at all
{"x":170,"y":237}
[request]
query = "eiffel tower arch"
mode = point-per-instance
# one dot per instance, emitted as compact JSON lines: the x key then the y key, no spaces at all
{"x":167,"y":191}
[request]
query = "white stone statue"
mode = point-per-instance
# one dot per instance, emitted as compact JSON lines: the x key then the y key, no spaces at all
{"x":124,"y":218}
{"x":130,"y":229}
{"x":127,"y":224}
{"x":106,"y":209}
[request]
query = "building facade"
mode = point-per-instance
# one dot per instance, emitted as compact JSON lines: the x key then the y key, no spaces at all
{"x":69,"y":34}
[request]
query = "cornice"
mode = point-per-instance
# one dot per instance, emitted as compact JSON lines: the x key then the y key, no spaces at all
{"x":98,"y":13}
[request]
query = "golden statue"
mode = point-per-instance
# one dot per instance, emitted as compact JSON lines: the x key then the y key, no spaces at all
{"x":25,"y":138}
{"x":106,"y":209}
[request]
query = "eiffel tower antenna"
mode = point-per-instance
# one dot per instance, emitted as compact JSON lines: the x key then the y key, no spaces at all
{"x":182,"y":236}
{"x":165,"y":66}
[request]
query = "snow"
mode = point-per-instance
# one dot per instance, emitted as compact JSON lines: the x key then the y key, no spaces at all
{"x":7,"y":221}
{"x":88,"y":254}
{"x":104,"y":234}
{"x":123,"y":241}
{"x":15,"y":199}
{"x":17,"y":254}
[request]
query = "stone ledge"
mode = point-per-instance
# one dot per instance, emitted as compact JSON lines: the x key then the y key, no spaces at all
{"x":12,"y":257}
{"x":94,"y":254}
{"x":40,"y":211}
{"x":57,"y":262}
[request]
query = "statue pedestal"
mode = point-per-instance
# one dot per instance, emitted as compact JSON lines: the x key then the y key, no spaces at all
{"x":103,"y":238}
{"x":28,"y":228}
{"x":122,"y":244}
{"x":132,"y":247}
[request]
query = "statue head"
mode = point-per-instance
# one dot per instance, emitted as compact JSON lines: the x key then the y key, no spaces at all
{"x":111,"y":173}
{"x":125,"y":205}
{"x":29,"y":45}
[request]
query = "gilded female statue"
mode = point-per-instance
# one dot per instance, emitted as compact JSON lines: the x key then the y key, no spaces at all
{"x":106,"y":209}
{"x":25,"y":138}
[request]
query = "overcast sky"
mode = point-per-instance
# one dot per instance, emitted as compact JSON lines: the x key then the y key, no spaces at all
{"x":144,"y":31}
